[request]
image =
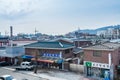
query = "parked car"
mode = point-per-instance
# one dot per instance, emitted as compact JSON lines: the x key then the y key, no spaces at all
{"x":7,"y":77}
{"x":4,"y":63}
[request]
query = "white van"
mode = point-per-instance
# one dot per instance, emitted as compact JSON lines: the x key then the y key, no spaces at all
{"x":25,"y":66}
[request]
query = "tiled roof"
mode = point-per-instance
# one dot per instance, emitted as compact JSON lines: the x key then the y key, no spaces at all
{"x":50,"y":45}
{"x":104,"y":46}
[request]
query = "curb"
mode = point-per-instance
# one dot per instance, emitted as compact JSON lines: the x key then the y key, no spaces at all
{"x":24,"y":73}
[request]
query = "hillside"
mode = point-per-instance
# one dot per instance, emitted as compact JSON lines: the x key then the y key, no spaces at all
{"x":94,"y":31}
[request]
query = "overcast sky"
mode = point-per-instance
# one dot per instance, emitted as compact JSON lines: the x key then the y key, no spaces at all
{"x":57,"y":16}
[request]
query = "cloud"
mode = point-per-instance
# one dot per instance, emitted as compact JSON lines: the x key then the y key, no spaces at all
{"x":15,"y":8}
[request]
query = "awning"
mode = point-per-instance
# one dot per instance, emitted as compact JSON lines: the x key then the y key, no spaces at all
{"x":27,"y":57}
{"x":42,"y":60}
{"x":48,"y":60}
{"x":59,"y":61}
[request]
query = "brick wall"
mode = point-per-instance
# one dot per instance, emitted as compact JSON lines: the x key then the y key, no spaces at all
{"x":30,"y":51}
{"x":88,"y":56}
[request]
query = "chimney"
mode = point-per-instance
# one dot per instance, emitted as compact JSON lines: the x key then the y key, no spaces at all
{"x":11,"y":32}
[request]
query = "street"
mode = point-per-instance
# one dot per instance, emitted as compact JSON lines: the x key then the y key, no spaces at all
{"x":42,"y":74}
{"x":17,"y":75}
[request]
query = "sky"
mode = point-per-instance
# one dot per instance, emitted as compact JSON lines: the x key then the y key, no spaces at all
{"x":56,"y":17}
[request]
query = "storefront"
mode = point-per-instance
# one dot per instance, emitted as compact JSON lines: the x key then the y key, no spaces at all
{"x":50,"y":60}
{"x":50,"y":54}
{"x":97,"y":70}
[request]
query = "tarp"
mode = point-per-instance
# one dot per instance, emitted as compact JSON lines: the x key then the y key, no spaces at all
{"x":27,"y":57}
{"x":59,"y":61}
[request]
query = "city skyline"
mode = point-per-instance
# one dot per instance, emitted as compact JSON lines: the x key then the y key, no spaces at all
{"x":57,"y":16}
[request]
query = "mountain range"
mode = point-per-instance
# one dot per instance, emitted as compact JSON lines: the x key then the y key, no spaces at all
{"x":94,"y":31}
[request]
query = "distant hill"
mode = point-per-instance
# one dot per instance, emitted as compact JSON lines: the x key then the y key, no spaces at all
{"x":94,"y":31}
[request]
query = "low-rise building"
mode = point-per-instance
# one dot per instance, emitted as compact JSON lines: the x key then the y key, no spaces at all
{"x":4,"y":41}
{"x":101,"y":61}
{"x":10,"y":54}
{"x":50,"y":54}
{"x":82,"y":42}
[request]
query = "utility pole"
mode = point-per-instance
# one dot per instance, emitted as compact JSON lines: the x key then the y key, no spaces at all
{"x":36,"y":63}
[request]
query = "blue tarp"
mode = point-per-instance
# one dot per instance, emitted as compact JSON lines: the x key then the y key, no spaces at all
{"x":59,"y":61}
{"x":27,"y":56}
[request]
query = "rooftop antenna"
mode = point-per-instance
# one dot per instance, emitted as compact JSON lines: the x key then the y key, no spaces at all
{"x":35,"y":31}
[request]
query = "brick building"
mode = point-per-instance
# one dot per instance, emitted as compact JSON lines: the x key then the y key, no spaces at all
{"x":101,"y":61}
{"x":50,"y":54}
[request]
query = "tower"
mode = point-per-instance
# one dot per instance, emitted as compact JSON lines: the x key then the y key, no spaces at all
{"x":11,"y":32}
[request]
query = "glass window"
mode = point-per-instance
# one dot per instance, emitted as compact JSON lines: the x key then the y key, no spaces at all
{"x":97,"y":53}
{"x":67,"y":51}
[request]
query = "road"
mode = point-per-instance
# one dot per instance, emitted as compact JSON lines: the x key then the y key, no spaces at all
{"x":18,"y":75}
{"x":42,"y":74}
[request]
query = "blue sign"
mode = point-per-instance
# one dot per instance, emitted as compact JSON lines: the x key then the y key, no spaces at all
{"x":51,"y":55}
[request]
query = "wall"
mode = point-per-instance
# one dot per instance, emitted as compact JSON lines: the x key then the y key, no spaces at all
{"x":30,"y":51}
{"x":77,"y":68}
{"x":88,"y":56}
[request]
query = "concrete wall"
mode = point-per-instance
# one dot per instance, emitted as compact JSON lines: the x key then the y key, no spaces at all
{"x":77,"y":68}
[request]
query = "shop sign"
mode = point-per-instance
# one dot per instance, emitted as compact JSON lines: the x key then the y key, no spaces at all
{"x":51,"y":55}
{"x":100,"y":65}
{"x":88,"y":64}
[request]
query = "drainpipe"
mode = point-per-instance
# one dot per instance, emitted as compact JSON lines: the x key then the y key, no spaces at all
{"x":78,"y":61}
{"x":60,"y":54}
{"x":111,"y":66}
{"x":109,"y":59}
{"x":62,"y":58}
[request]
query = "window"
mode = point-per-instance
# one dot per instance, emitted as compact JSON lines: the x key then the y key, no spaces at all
{"x":97,"y":53}
{"x":67,"y":51}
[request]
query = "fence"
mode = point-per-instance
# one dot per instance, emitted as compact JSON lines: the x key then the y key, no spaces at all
{"x":77,"y":68}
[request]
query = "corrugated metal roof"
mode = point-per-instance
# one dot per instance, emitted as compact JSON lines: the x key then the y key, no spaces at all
{"x":104,"y":46}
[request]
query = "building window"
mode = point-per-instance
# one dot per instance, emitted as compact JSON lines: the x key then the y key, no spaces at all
{"x":67,"y":51}
{"x":97,"y":53}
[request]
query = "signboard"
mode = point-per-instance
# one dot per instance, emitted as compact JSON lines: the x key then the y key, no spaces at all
{"x":51,"y":55}
{"x":98,"y":65}
{"x":88,"y":64}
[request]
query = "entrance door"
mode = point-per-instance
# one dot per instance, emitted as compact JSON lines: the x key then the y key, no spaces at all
{"x":88,"y":71}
